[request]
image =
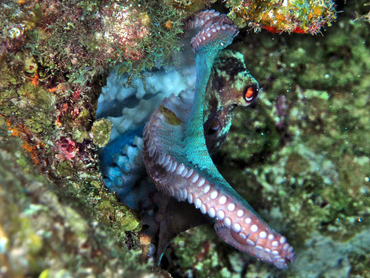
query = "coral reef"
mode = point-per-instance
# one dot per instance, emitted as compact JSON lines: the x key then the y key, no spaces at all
{"x":276,"y":16}
{"x":299,"y":156}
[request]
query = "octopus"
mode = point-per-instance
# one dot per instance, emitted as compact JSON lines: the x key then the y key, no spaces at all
{"x":181,"y":187}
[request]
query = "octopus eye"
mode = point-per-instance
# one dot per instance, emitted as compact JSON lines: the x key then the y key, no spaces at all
{"x":249,"y":94}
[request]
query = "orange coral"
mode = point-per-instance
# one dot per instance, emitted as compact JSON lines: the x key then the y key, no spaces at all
{"x":31,"y":145}
{"x":35,"y":80}
{"x":297,"y":16}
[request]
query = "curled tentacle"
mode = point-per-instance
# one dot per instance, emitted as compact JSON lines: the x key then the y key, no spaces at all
{"x":178,"y":162}
{"x":236,"y":221}
{"x":215,"y":34}
{"x":200,"y":18}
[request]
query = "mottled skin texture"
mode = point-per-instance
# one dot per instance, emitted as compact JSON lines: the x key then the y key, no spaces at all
{"x":178,"y":162}
{"x":227,"y":88}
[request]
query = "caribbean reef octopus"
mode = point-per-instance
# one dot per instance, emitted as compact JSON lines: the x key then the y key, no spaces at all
{"x":176,"y":146}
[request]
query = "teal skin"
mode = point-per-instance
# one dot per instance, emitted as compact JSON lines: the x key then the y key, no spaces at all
{"x":178,"y":162}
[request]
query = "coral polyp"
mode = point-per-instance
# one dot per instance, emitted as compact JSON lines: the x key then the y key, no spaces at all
{"x":276,"y":16}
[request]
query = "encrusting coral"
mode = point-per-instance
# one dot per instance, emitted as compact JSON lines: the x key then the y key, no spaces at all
{"x":45,"y":234}
{"x":277,"y":16}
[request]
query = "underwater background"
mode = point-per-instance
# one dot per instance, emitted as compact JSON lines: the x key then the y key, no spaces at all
{"x":300,"y":155}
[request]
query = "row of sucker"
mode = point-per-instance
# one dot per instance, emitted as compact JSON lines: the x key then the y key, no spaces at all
{"x":200,"y":18}
{"x":212,"y":33}
{"x":186,"y":184}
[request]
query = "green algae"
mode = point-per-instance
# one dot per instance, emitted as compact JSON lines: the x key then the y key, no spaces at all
{"x":49,"y":89}
{"x":305,"y":172}
{"x":206,"y":258}
{"x":100,"y":132}
{"x":325,"y":81}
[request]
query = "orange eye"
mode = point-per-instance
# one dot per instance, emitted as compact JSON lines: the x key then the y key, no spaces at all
{"x":249,"y":94}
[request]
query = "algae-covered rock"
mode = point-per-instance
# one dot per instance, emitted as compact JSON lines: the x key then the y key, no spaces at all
{"x":44,"y":235}
{"x":100,"y":132}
